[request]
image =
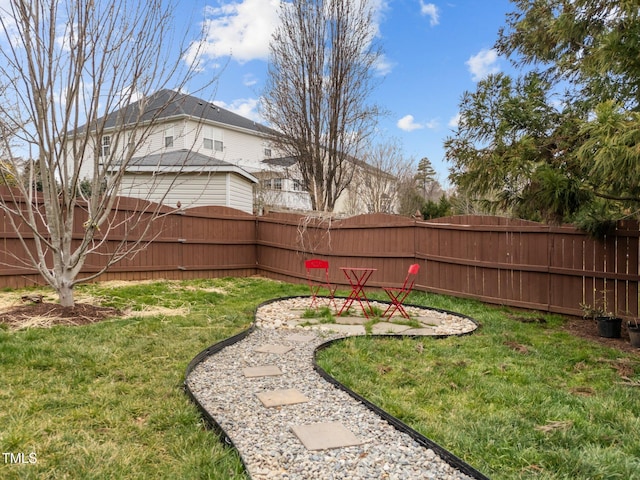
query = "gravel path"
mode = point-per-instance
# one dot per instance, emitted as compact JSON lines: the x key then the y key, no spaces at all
{"x":265,"y":394}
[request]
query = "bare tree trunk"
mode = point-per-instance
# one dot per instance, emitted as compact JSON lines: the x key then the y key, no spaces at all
{"x":71,"y":71}
{"x":320,"y":75}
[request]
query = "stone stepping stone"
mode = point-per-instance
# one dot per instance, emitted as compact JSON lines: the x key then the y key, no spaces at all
{"x":324,"y":436}
{"x":278,"y":398}
{"x":277,"y":349}
{"x":351,"y":320}
{"x":429,"y":321}
{"x":299,"y":337}
{"x":343,"y":329}
{"x":262,"y":371}
{"x":425,"y":331}
{"x":386,"y":327}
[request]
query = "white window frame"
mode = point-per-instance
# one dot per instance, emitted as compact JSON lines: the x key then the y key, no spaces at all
{"x":105,"y":145}
{"x":207,"y":138}
{"x":168,"y":137}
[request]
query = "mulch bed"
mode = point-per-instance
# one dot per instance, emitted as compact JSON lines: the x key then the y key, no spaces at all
{"x":50,"y":314}
{"x":588,"y":329}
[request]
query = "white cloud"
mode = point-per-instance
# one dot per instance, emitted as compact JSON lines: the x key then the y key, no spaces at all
{"x":454,"y":121}
{"x":483,"y":64}
{"x":247,"y":107}
{"x":431,"y":11}
{"x":241,"y":30}
{"x":249,"y":80}
{"x":383,"y":65}
{"x":408,"y":124}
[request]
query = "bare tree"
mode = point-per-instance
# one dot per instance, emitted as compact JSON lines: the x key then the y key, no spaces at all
{"x":319,"y":78}
{"x":67,"y":67}
{"x":376,"y":183}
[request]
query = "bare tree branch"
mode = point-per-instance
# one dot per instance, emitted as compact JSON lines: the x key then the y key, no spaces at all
{"x":73,"y":70}
{"x":320,"y":76}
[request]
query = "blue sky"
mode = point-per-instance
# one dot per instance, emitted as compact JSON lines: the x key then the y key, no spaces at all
{"x":433,"y":52}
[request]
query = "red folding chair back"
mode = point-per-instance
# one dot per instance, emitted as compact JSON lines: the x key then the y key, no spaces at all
{"x":318,"y":278}
{"x":398,"y":295}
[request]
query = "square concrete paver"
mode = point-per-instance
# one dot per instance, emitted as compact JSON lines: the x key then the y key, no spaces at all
{"x":351,"y":320}
{"x":429,"y":320}
{"x":277,"y":398}
{"x":425,"y":331}
{"x":386,"y":327}
{"x":344,"y":329}
{"x":262,"y":371}
{"x":323,"y":436}
{"x":277,"y":349}
{"x":299,"y":337}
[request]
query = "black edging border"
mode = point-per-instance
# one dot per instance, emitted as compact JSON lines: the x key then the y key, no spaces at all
{"x":450,"y":458}
{"x":207,"y":417}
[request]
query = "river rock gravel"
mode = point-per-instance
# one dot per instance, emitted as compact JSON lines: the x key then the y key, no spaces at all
{"x":264,"y":435}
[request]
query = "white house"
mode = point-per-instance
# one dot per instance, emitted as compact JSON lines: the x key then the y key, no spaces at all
{"x":196,"y":153}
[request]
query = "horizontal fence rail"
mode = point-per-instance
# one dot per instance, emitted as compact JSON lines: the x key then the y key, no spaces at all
{"x":492,"y":259}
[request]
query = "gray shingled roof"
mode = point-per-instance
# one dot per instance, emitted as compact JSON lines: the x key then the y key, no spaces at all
{"x":185,"y":160}
{"x":281,"y":161}
{"x":168,"y":103}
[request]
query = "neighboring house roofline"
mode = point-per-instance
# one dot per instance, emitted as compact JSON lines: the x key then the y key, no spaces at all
{"x":183,"y":161}
{"x":280,"y":161}
{"x":168,"y":105}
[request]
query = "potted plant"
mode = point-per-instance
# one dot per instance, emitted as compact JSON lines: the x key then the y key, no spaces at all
{"x":609,"y":326}
{"x":633,"y":327}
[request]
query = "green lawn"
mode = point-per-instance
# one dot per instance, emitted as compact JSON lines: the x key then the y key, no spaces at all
{"x":515,"y":400}
{"x":106,"y":400}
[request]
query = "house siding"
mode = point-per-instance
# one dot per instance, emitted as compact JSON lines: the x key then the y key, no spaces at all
{"x":240,"y":148}
{"x":240,"y":193}
{"x":191,"y":190}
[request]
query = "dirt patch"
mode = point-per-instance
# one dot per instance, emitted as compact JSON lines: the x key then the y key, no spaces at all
{"x":588,"y":329}
{"x":45,"y":315}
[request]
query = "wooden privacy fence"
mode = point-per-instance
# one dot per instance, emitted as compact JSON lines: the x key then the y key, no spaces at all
{"x":493,"y":259}
{"x":197,"y":243}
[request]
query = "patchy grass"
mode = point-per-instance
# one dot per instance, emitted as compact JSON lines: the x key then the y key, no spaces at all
{"x":515,"y":399}
{"x":322,"y":314}
{"x":105,"y":400}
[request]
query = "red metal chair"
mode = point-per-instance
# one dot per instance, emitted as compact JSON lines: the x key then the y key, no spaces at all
{"x":317,"y":280}
{"x":398,"y":295}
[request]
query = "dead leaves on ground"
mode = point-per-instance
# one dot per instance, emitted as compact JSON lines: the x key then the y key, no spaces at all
{"x":518,"y":347}
{"x":555,"y":425}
